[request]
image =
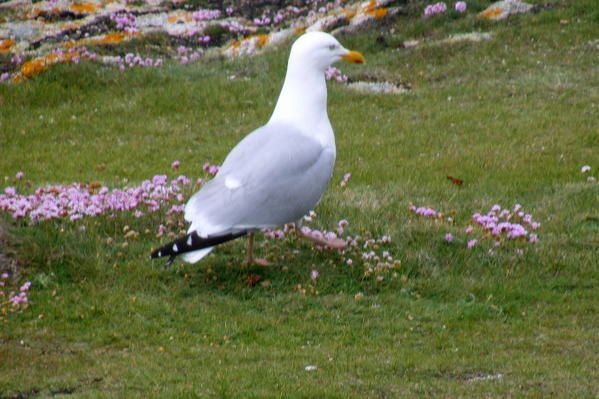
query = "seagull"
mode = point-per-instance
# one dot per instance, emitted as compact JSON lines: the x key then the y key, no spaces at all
{"x":278,"y":172}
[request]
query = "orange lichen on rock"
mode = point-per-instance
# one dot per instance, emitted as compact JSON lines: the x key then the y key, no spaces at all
{"x":38,"y":65}
{"x":109,"y":38}
{"x":262,"y":40}
{"x":113,"y":38}
{"x":378,"y":13}
{"x":83,"y":8}
{"x":349,"y":14}
{"x":492,"y":12}
{"x":6,"y":44}
{"x":33,"y":67}
{"x":370,"y":6}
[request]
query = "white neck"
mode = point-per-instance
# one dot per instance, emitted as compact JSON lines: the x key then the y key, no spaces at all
{"x":303,"y":101}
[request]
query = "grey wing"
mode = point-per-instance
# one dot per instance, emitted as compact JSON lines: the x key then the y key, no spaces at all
{"x":272,"y":177}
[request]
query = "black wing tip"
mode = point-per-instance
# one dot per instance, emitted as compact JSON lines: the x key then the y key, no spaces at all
{"x":156,"y":254}
{"x":191,"y":242}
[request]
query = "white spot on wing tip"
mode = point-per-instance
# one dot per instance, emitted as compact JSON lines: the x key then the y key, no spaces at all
{"x":175,"y":249}
{"x":189,"y":241}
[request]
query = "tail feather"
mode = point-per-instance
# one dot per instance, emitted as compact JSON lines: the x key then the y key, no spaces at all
{"x":192,"y":242}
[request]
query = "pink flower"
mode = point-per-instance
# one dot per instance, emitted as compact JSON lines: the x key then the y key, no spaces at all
{"x":449,"y":237}
{"x":213,"y":170}
{"x":203,"y":15}
{"x":329,"y":235}
{"x":204,"y":39}
{"x":460,"y":6}
{"x":262,"y":21}
{"x":4,"y":276}
{"x":25,"y":287}
{"x":19,"y":175}
{"x":426,"y":212}
{"x":16,"y":59}
{"x":314,"y":275}
{"x":436,"y":8}
{"x":533,"y":239}
{"x":335,"y":73}
{"x":471,"y":243}
{"x":175,"y":165}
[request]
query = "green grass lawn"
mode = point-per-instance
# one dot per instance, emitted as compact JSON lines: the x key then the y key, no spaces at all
{"x":514,"y":117}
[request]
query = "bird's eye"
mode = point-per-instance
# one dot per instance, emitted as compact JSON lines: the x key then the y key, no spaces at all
{"x":332,"y":47}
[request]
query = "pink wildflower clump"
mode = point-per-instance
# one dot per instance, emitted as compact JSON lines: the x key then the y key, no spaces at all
{"x":210,"y":169}
{"x":460,"y":6}
{"x":279,"y":17}
{"x":187,"y":54}
{"x":437,"y":8}
{"x":424,"y":211}
{"x":498,"y":224}
{"x":175,"y":164}
{"x":507,"y":224}
{"x":76,"y":201}
{"x":124,"y":21}
{"x":16,"y":59}
{"x":205,"y":15}
{"x":335,"y":73}
{"x":12,"y":301}
{"x":262,"y":21}
{"x":205,"y":39}
{"x":234,"y":26}
{"x":132,"y":60}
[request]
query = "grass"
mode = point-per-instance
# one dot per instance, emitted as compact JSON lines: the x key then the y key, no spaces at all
{"x":514,"y":117}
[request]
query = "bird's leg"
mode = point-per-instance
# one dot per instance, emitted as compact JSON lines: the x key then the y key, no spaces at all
{"x":335,"y":243}
{"x":170,"y":261}
{"x":250,"y":254}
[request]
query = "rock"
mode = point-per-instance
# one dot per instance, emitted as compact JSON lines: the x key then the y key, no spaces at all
{"x":42,"y":27}
{"x":503,"y":9}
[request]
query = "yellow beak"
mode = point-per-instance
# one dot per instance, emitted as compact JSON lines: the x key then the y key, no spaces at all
{"x":354,"y":56}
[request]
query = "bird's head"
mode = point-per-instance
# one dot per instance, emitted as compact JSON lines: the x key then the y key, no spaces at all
{"x":321,"y":50}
